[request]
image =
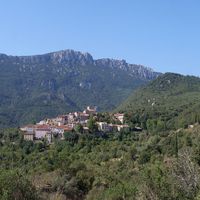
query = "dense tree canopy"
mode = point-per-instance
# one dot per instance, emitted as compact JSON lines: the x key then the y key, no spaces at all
{"x":125,"y":165}
{"x":171,"y":101}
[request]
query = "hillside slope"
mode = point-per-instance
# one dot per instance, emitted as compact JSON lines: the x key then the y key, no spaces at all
{"x":172,"y":99}
{"x":34,"y":87}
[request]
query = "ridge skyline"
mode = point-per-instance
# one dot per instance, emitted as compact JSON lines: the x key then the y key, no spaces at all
{"x":148,"y":67}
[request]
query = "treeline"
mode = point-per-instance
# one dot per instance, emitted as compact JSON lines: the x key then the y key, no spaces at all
{"x":161,"y":121}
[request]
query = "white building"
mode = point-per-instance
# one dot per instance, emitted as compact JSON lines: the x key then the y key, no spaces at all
{"x":104,"y":126}
{"x":91,"y":111}
{"x":120,"y":117}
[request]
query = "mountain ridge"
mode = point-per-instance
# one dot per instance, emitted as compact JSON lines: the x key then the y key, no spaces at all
{"x":71,"y":57}
{"x":35,"y":87}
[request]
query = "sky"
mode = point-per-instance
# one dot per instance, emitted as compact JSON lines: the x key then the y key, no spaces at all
{"x":161,"y":34}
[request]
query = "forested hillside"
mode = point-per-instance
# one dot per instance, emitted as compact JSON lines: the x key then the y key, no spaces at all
{"x":160,"y":162}
{"x":171,"y":101}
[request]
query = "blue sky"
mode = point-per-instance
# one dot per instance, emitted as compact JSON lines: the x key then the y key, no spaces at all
{"x":162,"y":34}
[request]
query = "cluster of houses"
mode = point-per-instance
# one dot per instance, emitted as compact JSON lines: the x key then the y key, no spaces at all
{"x":56,"y":127}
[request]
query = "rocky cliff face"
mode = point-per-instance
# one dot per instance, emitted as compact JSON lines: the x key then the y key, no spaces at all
{"x":68,"y":57}
{"x":139,"y":71}
{"x":74,"y":58}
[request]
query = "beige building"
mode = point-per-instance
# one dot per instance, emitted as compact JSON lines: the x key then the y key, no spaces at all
{"x":29,"y":136}
{"x":120,"y":117}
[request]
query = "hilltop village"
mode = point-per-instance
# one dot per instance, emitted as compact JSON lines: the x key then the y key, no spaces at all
{"x":73,"y":122}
